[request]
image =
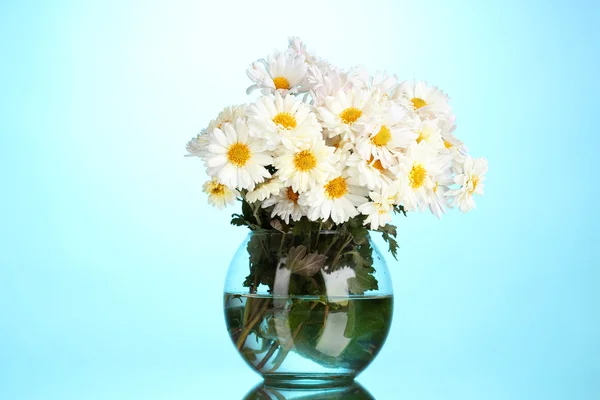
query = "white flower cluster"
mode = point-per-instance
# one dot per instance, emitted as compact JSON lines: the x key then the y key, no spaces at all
{"x":326,"y":143}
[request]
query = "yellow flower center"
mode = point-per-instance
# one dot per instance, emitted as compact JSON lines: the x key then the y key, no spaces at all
{"x":475,"y":181}
{"x":420,"y":138}
{"x":376,"y":164}
{"x":383,"y":136}
{"x":417,"y":175}
{"x":418,"y":102}
{"x":336,"y":188}
{"x":292,"y":196}
{"x":350,"y":115}
{"x":447,"y":144}
{"x":225,"y":121}
{"x":238,"y":154}
{"x":305,"y":160}
{"x":218,"y":189}
{"x":286,"y":120}
{"x":281,"y":83}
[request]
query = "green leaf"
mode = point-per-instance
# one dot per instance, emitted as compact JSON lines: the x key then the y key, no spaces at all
{"x":393,"y":247}
{"x":399,"y":209}
{"x":353,"y":222}
{"x":255,"y":249}
{"x":238,"y":220}
{"x":389,"y":234}
{"x":351,"y":323}
{"x":363,"y":281}
{"x":304,"y":264}
{"x":361,"y":240}
{"x":295,"y":255}
{"x":299,"y":313}
{"x":302,"y":226}
{"x":366,"y":253}
{"x":389,"y":229}
{"x":248,"y":213}
{"x":359,"y":231}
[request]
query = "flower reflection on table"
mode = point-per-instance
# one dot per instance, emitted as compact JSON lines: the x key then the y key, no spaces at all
{"x":352,"y":392}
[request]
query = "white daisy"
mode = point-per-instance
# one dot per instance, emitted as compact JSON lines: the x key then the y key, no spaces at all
{"x":383,"y":83}
{"x":281,"y":72}
{"x":219,"y":195}
{"x":228,"y":115}
{"x":370,"y":173}
{"x":286,"y":120}
{"x":286,"y":205}
{"x":344,"y":148}
{"x":197,"y":146}
{"x":425,"y":130}
{"x":337,"y":198}
{"x":470,"y":176}
{"x":359,"y":77}
{"x":346,"y":109}
{"x":378,"y":210}
{"x":451,"y":142}
{"x":438,"y":201}
{"x":306,"y":165}
{"x":235,"y":158}
{"x":325,"y":80}
{"x":384,"y":137}
{"x":265,"y":189}
{"x":428,"y":102}
{"x":417,"y":172}
{"x":298,"y":48}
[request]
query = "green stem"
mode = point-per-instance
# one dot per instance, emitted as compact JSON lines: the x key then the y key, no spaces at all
{"x":249,"y":308}
{"x":281,"y":244}
{"x":288,"y":346}
{"x":262,"y":244}
{"x":264,"y":361}
{"x":256,"y":212}
{"x":254,"y":284}
{"x":337,"y":256}
{"x":331,"y":245}
{"x":253,"y":321}
{"x":318,"y":234}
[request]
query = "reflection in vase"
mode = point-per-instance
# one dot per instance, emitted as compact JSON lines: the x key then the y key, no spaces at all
{"x":352,"y":392}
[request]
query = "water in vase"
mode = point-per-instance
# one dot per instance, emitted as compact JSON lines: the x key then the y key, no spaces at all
{"x":308,"y":336}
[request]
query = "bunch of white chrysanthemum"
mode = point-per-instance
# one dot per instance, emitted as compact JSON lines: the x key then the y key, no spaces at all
{"x":326,"y":143}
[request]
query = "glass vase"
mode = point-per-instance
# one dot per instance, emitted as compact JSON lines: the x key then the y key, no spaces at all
{"x":308,"y":309}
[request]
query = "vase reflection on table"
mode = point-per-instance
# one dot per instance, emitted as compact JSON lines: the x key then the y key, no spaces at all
{"x":352,"y":392}
{"x":308,"y":317}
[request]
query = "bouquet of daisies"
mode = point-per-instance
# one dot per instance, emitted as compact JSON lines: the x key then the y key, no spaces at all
{"x":327,"y":148}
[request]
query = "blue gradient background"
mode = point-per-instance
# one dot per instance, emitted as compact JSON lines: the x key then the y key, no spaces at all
{"x":112,"y":263}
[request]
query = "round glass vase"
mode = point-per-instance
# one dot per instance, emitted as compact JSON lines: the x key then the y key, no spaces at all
{"x":308,"y":309}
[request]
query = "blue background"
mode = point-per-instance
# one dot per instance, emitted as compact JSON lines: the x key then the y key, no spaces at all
{"x":112,"y":263}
